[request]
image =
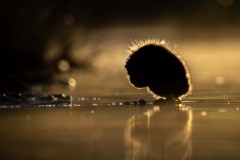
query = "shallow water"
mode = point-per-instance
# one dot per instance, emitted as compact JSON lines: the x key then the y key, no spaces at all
{"x":105,"y":128}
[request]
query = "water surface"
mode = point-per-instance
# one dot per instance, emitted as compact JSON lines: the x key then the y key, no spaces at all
{"x":105,"y":128}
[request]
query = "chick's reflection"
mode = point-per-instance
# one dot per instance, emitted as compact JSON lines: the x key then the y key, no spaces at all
{"x":159,"y":133}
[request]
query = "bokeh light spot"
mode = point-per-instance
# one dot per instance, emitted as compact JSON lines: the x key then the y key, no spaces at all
{"x":203,"y":113}
{"x":63,"y":65}
{"x":72,"y":82}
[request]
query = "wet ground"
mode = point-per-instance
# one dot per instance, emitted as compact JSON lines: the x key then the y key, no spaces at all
{"x":119,"y":127}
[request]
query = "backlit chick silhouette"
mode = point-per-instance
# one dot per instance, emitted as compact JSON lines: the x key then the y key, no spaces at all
{"x":152,"y":64}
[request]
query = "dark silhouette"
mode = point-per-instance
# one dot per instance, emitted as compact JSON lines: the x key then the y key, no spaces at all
{"x":156,"y":67}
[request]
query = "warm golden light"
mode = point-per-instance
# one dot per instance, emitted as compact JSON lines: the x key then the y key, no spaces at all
{"x":159,"y":134}
{"x":203,"y":113}
{"x":220,"y":80}
{"x":72,"y":82}
{"x":63,"y":65}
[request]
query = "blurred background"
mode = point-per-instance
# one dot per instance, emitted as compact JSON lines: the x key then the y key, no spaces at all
{"x":79,"y":47}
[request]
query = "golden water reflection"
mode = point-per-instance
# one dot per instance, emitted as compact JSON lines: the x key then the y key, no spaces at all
{"x":162,"y":132}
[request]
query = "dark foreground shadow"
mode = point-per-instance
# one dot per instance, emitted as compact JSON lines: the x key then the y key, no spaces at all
{"x":162,"y":132}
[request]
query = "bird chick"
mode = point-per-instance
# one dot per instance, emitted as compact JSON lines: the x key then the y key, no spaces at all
{"x":154,"y":65}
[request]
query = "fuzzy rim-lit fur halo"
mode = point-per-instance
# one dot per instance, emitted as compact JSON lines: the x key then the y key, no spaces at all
{"x":136,"y":45}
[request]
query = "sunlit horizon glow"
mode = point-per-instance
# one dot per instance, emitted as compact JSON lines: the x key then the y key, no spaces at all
{"x":208,"y":54}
